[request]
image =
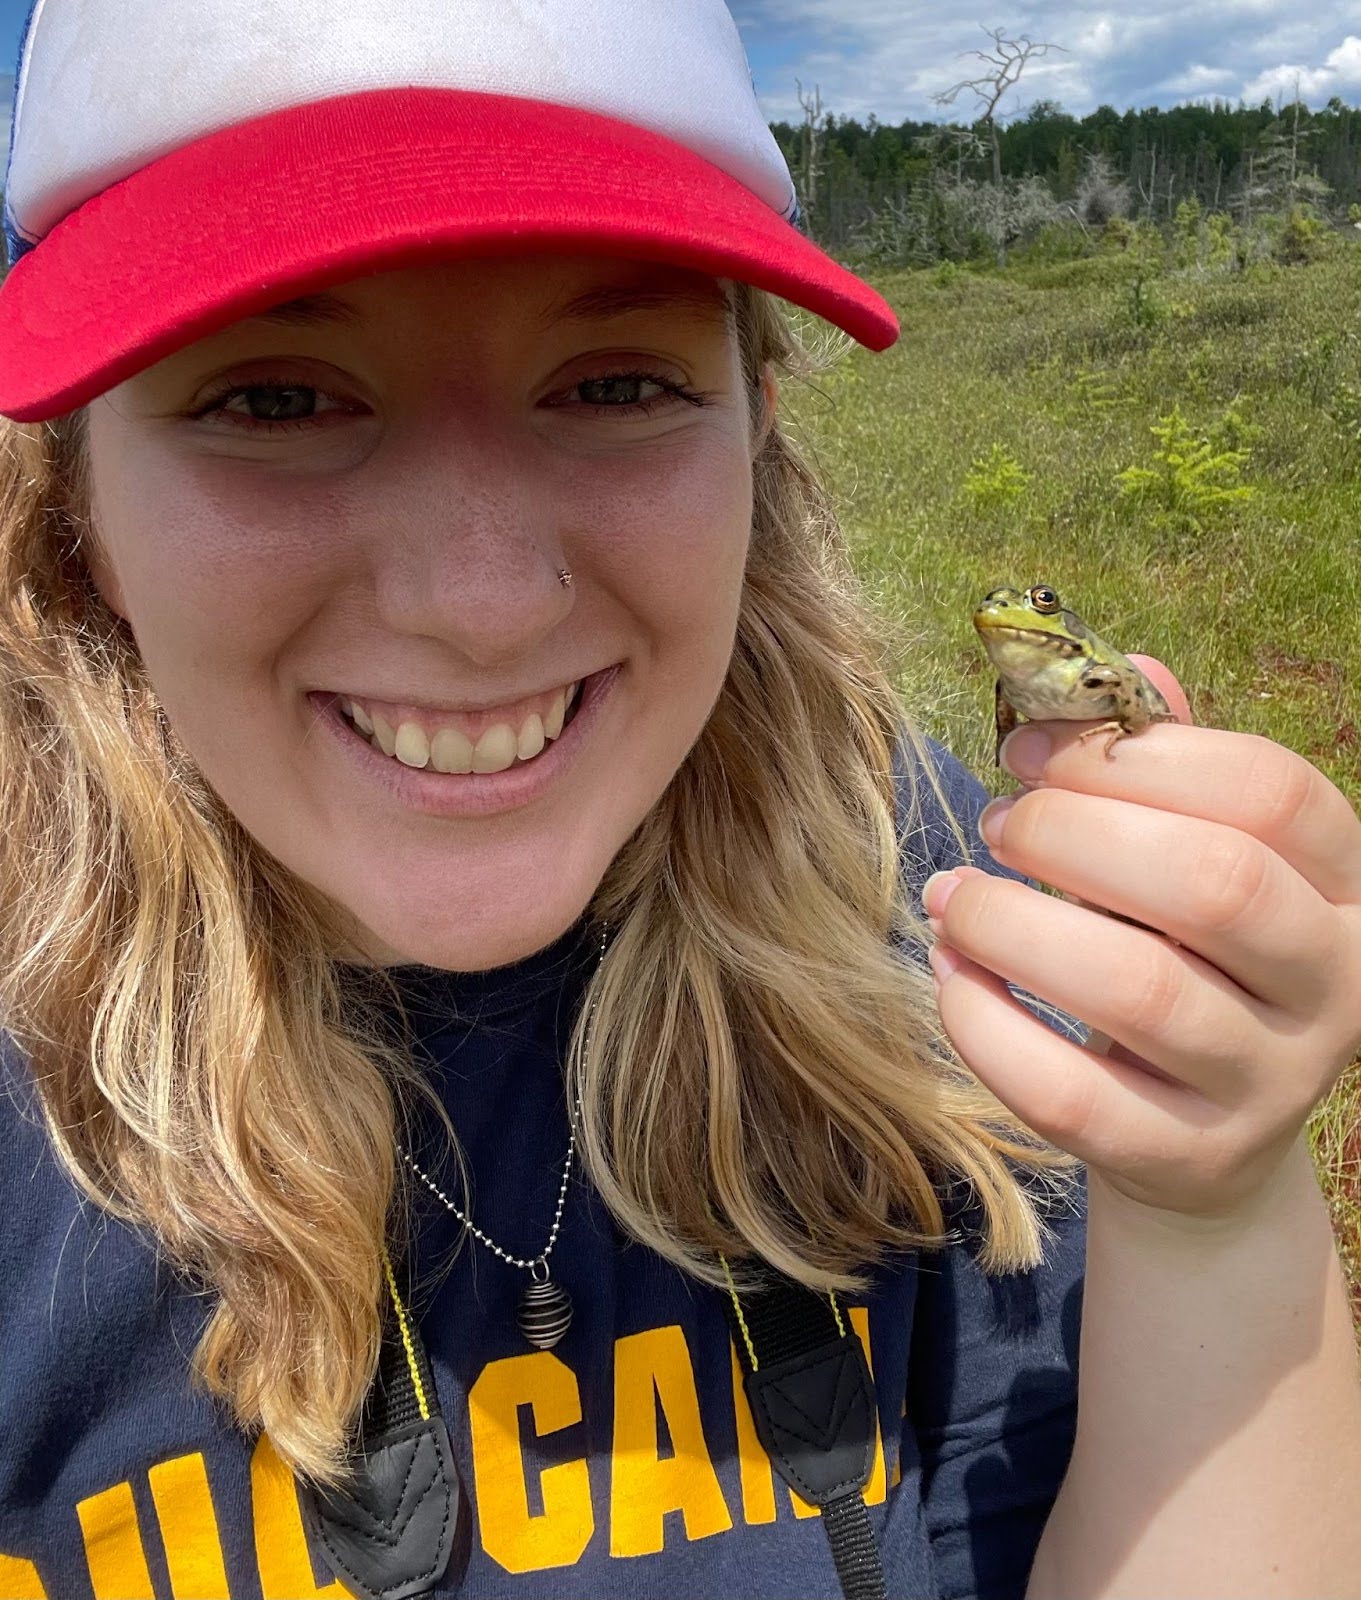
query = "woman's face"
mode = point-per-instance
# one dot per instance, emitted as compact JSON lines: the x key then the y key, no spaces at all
{"x":380,"y":511}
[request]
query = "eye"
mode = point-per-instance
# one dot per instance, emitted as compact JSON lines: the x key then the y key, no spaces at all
{"x":1043,"y":598}
{"x":271,"y":405}
{"x":611,"y":387}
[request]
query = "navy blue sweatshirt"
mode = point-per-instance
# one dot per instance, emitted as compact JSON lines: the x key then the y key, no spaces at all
{"x":623,"y":1462}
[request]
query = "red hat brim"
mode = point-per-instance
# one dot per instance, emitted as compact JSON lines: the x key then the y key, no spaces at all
{"x":314,"y":195}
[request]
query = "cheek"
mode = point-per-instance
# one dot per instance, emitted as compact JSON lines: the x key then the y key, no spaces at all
{"x":208,"y":571}
{"x":215,"y":587}
{"x":669,"y":535}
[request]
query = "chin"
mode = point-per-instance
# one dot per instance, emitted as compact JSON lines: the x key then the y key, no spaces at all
{"x":504,"y":938}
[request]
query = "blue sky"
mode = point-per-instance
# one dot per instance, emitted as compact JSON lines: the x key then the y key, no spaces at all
{"x":891,"y":56}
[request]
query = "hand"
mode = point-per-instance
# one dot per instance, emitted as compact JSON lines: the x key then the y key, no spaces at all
{"x":1231,"y":1012}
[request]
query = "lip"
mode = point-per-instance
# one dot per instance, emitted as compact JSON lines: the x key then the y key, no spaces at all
{"x":469,"y":794}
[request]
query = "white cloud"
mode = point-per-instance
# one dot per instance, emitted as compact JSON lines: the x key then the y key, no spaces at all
{"x":1201,"y":81}
{"x":1340,"y":72}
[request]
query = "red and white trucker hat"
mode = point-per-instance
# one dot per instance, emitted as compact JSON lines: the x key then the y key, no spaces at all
{"x":177,"y":165}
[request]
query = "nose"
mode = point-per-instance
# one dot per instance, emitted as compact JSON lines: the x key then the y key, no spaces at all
{"x":469,"y":551}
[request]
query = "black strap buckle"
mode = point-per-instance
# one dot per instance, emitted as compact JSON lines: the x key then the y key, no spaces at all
{"x":390,"y":1533}
{"x":812,"y":1401}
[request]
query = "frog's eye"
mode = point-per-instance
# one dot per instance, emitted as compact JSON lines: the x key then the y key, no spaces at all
{"x":1043,"y":598}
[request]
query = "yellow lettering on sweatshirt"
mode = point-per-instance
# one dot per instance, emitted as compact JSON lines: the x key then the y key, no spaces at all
{"x":113,"y":1545}
{"x":280,"y":1543}
{"x":512,"y":1537}
{"x":655,"y":1397}
{"x":184,"y":1508}
{"x":652,"y":1369}
{"x":19,"y":1579}
{"x":877,"y":1487}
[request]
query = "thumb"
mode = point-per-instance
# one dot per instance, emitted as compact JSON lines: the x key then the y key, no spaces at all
{"x":1162,"y":679}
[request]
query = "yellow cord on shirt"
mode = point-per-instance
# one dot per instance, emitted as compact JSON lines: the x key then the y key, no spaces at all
{"x":406,"y":1339}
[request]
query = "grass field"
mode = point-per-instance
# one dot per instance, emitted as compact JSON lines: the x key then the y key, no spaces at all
{"x":1065,"y":369}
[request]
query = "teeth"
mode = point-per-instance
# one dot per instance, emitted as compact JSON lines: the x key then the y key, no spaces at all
{"x":533,"y":737}
{"x":450,"y":750}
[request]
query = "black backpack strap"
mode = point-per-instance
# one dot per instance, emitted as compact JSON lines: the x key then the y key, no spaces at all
{"x":390,"y":1531}
{"x":812,"y":1401}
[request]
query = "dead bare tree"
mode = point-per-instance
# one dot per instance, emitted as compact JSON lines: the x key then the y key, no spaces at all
{"x":1006,"y":61}
{"x":811,"y":163}
{"x":1149,"y":195}
{"x":1102,"y":196}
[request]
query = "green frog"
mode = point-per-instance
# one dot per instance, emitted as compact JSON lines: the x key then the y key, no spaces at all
{"x":1051,"y":665}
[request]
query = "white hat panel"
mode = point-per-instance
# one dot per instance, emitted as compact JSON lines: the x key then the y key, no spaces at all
{"x":108,"y":86}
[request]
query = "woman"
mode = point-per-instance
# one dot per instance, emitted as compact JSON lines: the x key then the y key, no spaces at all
{"x":386,"y":396}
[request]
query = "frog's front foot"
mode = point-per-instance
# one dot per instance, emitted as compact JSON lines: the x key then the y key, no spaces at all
{"x":1116,"y":730}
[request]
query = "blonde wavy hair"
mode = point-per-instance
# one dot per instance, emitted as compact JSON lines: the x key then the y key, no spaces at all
{"x":768,"y":1074}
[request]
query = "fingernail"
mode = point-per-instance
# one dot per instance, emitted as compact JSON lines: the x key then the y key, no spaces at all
{"x":944,"y":962}
{"x":1024,"y":753}
{"x":994,"y":818}
{"x":937,"y":891}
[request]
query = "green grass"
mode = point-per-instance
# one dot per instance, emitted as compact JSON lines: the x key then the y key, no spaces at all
{"x":1258,"y":613}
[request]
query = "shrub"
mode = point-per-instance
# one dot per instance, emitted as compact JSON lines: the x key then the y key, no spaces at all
{"x":1234,"y":434}
{"x":1186,"y":233}
{"x":1192,"y":478}
{"x":1301,"y":238}
{"x":997,"y":480}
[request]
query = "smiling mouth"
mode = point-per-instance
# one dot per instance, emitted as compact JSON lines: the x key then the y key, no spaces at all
{"x":450,"y":749}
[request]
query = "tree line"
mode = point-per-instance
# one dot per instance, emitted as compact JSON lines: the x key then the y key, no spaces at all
{"x":952,"y":189}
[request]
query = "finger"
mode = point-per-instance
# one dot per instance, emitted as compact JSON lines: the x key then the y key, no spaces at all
{"x":1105,"y":1111}
{"x":1162,"y":1003}
{"x":1219,"y":892}
{"x":1165,"y":683}
{"x":1237,"y":779}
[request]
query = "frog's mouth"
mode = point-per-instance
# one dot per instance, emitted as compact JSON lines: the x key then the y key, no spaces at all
{"x":1006,"y":630}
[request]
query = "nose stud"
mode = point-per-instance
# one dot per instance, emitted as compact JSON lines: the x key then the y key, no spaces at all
{"x":564,"y":577}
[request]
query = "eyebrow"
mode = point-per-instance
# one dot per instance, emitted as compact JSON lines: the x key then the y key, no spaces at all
{"x":597,"y":304}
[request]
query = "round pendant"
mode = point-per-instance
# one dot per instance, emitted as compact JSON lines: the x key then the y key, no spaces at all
{"x":544,"y":1313}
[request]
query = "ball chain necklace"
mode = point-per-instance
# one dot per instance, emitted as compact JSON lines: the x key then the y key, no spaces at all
{"x":544,"y":1313}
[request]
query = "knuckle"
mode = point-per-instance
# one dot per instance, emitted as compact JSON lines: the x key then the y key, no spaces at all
{"x":1150,"y":1001}
{"x":1071,"y":1106}
{"x":972,"y":909}
{"x":1279,"y":788}
{"x":1227,"y":883}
